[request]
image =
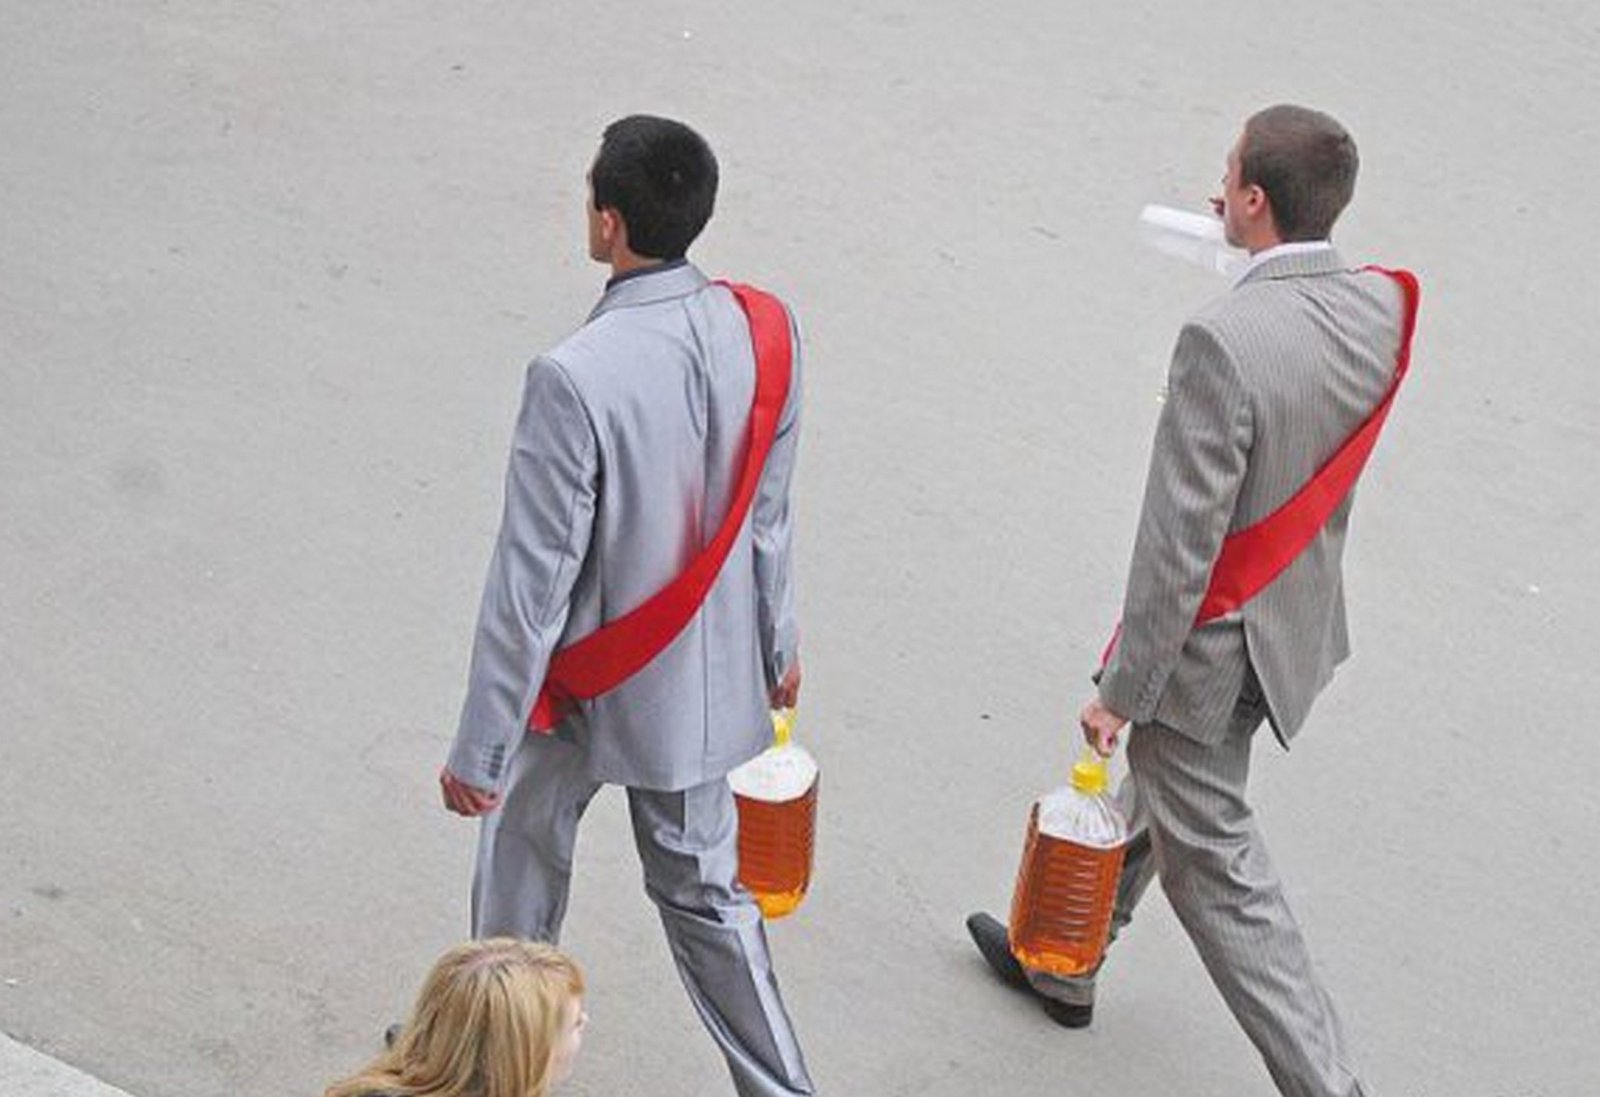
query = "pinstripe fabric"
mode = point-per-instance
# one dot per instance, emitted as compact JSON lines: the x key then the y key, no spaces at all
{"x":1191,"y":828}
{"x":1214,"y":869}
{"x":1265,"y":384}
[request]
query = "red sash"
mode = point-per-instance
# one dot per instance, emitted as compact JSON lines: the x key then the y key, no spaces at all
{"x":1251,"y":558}
{"x":613,"y":653}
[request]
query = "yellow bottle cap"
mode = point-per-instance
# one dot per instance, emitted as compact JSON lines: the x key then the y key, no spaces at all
{"x":1089,"y":774}
{"x":782,"y":726}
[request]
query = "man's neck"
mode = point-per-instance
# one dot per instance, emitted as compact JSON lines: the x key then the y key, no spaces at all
{"x":1265,"y":242}
{"x":639,"y":267}
{"x":628,"y":262}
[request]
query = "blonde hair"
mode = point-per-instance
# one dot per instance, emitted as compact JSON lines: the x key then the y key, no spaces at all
{"x":486,"y":1024}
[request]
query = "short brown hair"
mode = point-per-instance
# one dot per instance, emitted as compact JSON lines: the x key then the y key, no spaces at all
{"x":1306,"y":163}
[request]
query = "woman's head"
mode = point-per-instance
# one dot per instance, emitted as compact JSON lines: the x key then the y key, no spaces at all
{"x":495,"y":1018}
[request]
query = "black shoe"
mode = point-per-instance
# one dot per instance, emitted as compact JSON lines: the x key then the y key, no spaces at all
{"x":392,"y":1033}
{"x":989,"y":934}
{"x":1067,"y":1015}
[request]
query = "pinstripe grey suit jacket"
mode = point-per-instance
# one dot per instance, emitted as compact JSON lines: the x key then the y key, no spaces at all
{"x":1265,"y":384}
{"x":623,"y":464}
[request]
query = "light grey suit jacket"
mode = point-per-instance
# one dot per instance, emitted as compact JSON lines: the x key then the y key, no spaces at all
{"x":1265,"y":384}
{"x":622,"y":467}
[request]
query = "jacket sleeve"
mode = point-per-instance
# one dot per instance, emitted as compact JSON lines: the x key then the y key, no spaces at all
{"x":1197,"y":463}
{"x":772,"y":535}
{"x":550,"y":491}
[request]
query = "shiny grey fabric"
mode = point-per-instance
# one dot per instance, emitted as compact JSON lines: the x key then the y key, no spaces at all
{"x":688,"y":847}
{"x":623,"y":463}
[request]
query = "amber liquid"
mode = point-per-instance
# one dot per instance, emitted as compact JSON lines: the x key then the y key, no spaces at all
{"x":1061,"y":909}
{"x":775,"y":845}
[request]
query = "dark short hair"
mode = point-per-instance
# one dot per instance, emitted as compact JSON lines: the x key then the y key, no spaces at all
{"x":1306,"y":163}
{"x":661,"y":177}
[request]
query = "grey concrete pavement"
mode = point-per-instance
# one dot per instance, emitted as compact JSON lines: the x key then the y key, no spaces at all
{"x":25,"y":1072}
{"x":269,"y":274}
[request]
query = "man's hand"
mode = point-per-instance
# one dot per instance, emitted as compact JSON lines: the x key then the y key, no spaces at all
{"x":786,"y":694}
{"x":464,"y":799}
{"x":1101,"y":727}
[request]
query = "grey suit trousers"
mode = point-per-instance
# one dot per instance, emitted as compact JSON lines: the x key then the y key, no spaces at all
{"x":688,"y":846}
{"x":1191,"y":828}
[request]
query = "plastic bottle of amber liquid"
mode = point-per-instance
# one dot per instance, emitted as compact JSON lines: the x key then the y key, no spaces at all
{"x":776,"y":793}
{"x":1061,"y":909}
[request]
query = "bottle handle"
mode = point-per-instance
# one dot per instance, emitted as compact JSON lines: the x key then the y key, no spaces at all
{"x":782,"y":726}
{"x":1091,"y":773}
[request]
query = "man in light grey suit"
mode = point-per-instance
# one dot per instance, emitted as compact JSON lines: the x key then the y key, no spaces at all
{"x":1266,"y":383}
{"x":624,"y":462}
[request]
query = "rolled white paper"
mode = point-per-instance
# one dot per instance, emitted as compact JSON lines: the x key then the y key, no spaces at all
{"x":1195,"y":237}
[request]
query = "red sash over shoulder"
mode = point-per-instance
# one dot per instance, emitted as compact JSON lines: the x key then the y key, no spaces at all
{"x":616,"y":651}
{"x":1251,"y":558}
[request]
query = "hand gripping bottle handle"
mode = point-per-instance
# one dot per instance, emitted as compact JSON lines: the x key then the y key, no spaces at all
{"x":776,"y":794}
{"x":1067,"y":882}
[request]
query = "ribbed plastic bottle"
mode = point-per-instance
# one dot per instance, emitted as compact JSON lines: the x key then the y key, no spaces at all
{"x":776,"y":793}
{"x":1067,"y":883}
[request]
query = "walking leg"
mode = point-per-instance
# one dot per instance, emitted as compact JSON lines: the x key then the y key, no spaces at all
{"x":688,"y":845}
{"x":524,"y":863}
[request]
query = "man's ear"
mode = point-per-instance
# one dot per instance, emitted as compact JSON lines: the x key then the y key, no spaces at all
{"x":1256,"y":203}
{"x":613,"y":229}
{"x":1259,"y":207}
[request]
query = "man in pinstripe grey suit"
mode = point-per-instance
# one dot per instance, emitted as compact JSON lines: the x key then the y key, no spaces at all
{"x":1265,"y":384}
{"x":626,"y":458}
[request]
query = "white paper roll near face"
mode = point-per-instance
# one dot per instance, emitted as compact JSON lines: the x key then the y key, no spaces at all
{"x":1194,"y":237}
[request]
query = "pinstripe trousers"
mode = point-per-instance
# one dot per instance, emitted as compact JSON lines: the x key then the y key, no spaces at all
{"x":688,"y":846}
{"x":1192,"y":830}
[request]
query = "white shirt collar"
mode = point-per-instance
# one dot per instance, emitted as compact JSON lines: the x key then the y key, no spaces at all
{"x":1294,"y":247}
